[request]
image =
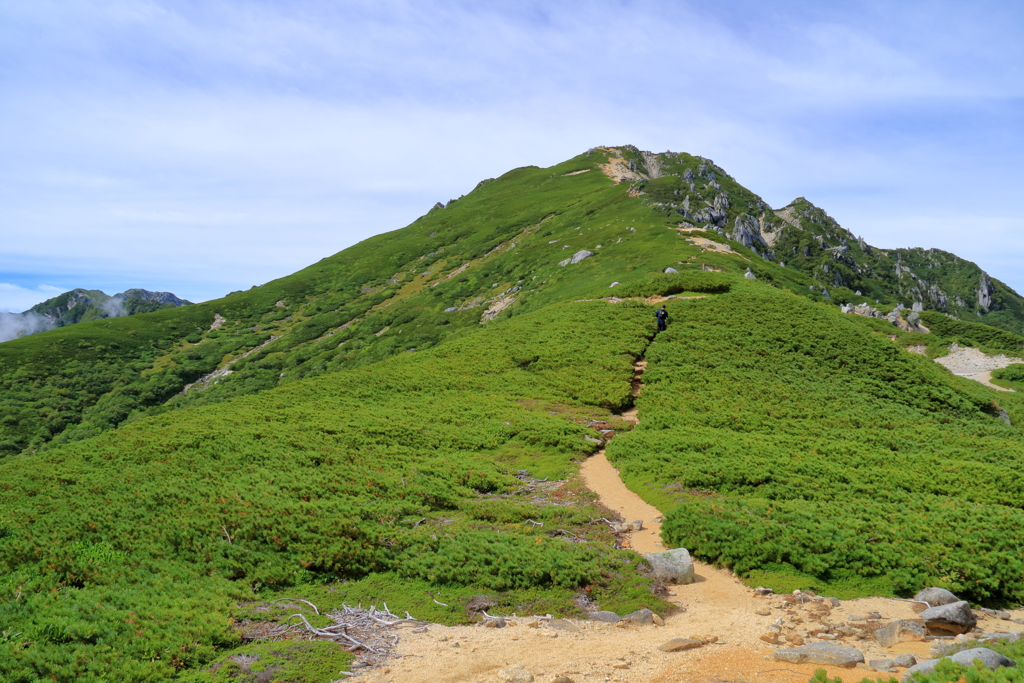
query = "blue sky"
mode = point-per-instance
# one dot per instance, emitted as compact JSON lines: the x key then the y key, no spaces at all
{"x":203,"y":147}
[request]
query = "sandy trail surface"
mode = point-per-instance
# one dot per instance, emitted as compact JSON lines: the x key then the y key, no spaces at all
{"x":716,"y":604}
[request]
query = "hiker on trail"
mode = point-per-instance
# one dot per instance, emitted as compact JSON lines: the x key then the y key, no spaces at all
{"x":662,"y":316}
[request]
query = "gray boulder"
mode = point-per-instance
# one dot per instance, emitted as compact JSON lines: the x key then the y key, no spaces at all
{"x":671,"y":270}
{"x":898,"y":632}
{"x":989,"y":658}
{"x":641,"y":616}
{"x":822,"y":653}
{"x":672,"y":566}
{"x":749,"y":275}
{"x":580,"y":255}
{"x":936,"y":596}
{"x":604,"y":615}
{"x":904,"y":661}
{"x":954,"y":618}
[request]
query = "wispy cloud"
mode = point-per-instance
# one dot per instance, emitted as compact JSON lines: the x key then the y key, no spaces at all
{"x":205,"y":147}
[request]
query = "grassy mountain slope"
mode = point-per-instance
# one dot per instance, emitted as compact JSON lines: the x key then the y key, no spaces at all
{"x":491,"y":254}
{"x":364,"y":437}
{"x":806,"y":447}
{"x":123,"y":556}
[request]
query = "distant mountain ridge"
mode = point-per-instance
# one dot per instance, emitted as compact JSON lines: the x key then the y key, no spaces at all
{"x":81,"y":305}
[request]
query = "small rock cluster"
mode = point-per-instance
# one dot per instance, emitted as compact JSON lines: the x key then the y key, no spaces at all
{"x":942,"y":616}
{"x":909,"y":323}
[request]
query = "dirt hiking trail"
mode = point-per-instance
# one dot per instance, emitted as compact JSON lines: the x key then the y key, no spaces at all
{"x":716,"y":604}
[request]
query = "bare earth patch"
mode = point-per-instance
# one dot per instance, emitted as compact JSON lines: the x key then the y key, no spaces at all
{"x":973,"y":364}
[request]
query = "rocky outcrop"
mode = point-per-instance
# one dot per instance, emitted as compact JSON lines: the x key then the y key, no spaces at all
{"x":747,"y":232}
{"x":952,"y":619}
{"x":985,"y":291}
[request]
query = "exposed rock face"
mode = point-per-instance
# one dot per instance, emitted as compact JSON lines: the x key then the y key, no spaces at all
{"x":954,"y":618}
{"x":747,"y":232}
{"x":989,"y":658}
{"x":671,"y":270}
{"x":822,"y":653}
{"x":985,"y":292}
{"x":672,"y":566}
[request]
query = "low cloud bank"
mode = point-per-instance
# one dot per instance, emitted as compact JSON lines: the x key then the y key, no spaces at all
{"x":14,"y":325}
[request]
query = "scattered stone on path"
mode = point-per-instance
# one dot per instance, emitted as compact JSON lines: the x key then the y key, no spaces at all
{"x":495,"y":622}
{"x":885,"y":665}
{"x":994,"y":613}
{"x":515,"y":674}
{"x":900,"y":631}
{"x":561,"y":679}
{"x":990,"y":658}
{"x":604,"y":615}
{"x":822,"y":653}
{"x":641,"y":616}
{"x":954,"y":618}
{"x":658,"y":621}
{"x":764,"y":592}
{"x":679,"y":644}
{"x":637,"y":525}
{"x":620,"y":665}
{"x":771,"y":637}
{"x":904,"y":660}
{"x":936,"y":596}
{"x":562,"y":625}
{"x":672,"y":566}
{"x":763,"y":612}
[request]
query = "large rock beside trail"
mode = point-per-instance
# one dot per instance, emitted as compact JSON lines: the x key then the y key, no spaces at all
{"x":990,"y":658}
{"x":954,"y":618}
{"x":641,"y":616}
{"x":822,"y":653}
{"x":898,"y":632}
{"x":604,"y":615}
{"x":672,"y":566}
{"x":936,"y":596}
